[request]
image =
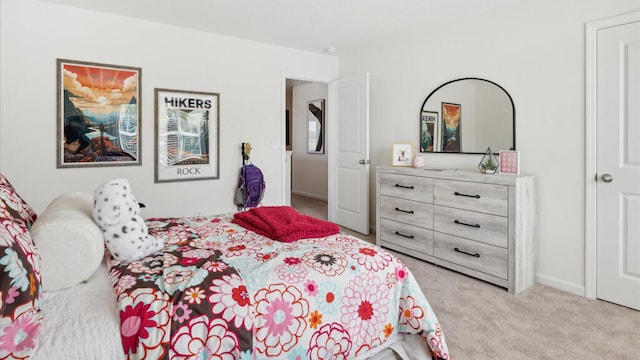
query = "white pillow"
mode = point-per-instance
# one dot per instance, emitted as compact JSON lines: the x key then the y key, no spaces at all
{"x":69,"y":241}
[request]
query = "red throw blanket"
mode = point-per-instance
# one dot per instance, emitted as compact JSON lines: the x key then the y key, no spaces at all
{"x":283,"y":223}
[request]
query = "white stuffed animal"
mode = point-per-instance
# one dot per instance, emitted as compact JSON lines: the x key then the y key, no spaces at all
{"x":117,"y":213}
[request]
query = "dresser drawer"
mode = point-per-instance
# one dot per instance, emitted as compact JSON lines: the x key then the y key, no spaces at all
{"x":490,"y":229}
{"x":488,"y":259}
{"x":407,"y":187}
{"x":407,"y":236}
{"x":487,"y":198}
{"x":407,"y":211}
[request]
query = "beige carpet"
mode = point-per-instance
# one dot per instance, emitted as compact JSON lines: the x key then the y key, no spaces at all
{"x":483,"y":321}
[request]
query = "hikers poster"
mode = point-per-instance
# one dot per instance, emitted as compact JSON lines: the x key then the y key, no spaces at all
{"x":186,"y":132}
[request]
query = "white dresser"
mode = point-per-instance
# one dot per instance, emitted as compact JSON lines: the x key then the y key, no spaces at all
{"x":480,"y":225}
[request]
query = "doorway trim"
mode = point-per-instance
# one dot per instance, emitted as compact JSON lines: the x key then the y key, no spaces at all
{"x":283,"y":124}
{"x":591,"y":67}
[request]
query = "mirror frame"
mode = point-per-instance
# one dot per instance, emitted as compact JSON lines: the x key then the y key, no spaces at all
{"x":513,"y":114}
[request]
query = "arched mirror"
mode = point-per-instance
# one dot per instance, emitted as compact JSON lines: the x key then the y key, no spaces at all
{"x":467,"y":116}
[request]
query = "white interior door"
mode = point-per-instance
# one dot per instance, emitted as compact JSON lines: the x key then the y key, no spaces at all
{"x":348,"y":158}
{"x":618,"y":164}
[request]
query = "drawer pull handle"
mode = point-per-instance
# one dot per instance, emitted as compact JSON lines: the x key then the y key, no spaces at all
{"x":466,"y":253}
{"x":405,"y":211}
{"x":467,"y":195}
{"x":407,"y":236}
{"x":477,"y":226}
{"x":404,"y":186}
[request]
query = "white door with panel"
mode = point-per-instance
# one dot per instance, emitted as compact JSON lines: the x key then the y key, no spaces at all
{"x":618,"y":164}
{"x":348,"y":158}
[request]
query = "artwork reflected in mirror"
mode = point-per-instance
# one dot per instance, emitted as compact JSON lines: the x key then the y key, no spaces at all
{"x":429,"y":131}
{"x":489,"y":118}
{"x":451,"y":118}
{"x":315,"y":124}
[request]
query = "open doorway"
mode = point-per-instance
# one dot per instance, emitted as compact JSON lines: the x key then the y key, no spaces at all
{"x":346,"y":173}
{"x":306,"y":140}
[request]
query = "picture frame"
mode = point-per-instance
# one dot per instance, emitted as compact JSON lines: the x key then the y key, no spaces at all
{"x":98,"y":114}
{"x":315,"y":126}
{"x":402,"y":154}
{"x":509,"y":161}
{"x":287,"y":135}
{"x":429,"y":131}
{"x":187,"y":133}
{"x":451,"y":124}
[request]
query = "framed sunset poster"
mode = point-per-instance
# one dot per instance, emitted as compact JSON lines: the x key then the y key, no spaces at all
{"x":98,"y":108}
{"x":451,"y":121}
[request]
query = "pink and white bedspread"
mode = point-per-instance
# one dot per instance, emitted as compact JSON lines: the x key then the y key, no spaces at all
{"x":219,"y":291}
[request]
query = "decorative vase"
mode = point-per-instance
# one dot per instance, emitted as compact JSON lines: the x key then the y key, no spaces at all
{"x":418,"y":162}
{"x":489,"y":163}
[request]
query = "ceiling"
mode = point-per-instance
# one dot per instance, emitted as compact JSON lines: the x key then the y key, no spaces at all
{"x":311,"y":25}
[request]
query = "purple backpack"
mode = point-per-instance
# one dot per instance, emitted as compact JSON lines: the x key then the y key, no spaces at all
{"x":251,"y":187}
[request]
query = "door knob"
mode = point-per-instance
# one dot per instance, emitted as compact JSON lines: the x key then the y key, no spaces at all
{"x":606,"y":178}
{"x":362,"y":162}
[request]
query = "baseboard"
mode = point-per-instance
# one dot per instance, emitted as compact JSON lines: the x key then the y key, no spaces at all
{"x":561,"y":284}
{"x":312,"y":196}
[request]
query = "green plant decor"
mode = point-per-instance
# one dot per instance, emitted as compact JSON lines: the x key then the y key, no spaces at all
{"x":489,"y":163}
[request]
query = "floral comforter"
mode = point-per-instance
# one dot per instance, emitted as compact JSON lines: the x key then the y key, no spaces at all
{"x":221,"y":291}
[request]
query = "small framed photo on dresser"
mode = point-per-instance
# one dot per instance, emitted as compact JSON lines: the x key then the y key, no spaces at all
{"x":402,"y":154}
{"x":509,"y":162}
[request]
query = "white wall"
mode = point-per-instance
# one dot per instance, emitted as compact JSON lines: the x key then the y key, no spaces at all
{"x":535,"y":50}
{"x":310,"y":171}
{"x":248,"y":76}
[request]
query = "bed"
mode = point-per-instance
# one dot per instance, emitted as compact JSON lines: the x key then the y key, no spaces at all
{"x":221,"y":291}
